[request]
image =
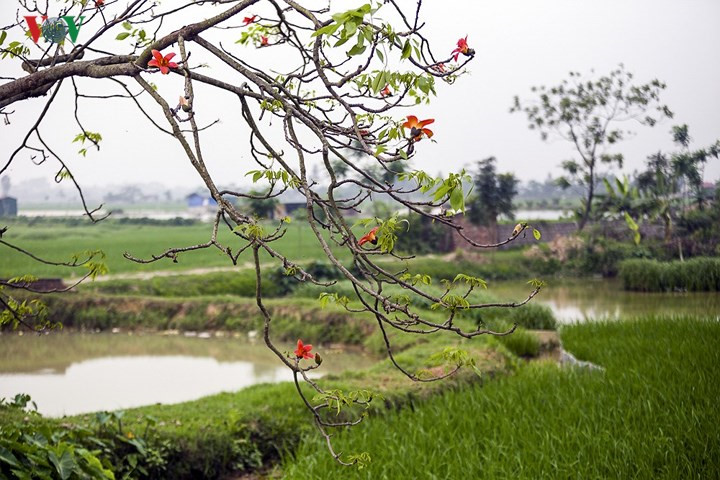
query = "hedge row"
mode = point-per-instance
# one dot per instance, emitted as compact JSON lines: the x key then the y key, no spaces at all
{"x":700,"y":274}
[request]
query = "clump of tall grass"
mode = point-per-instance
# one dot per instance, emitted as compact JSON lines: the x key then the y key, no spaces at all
{"x":522,"y":343}
{"x":534,"y":316}
{"x":695,"y":275}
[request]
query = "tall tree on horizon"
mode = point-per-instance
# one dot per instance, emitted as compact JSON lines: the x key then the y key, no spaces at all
{"x":494,"y":193}
{"x":589,"y":113}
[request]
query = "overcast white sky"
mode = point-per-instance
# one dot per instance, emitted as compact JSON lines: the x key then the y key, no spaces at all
{"x":519,"y":43}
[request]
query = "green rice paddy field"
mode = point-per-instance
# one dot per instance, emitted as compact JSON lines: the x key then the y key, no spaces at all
{"x":652,"y":413}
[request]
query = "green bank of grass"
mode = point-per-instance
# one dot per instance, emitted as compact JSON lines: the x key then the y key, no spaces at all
{"x":651,"y":414}
{"x":701,"y":274}
{"x":255,"y":427}
{"x":489,"y":265}
{"x":59,"y":240}
{"x":292,"y":318}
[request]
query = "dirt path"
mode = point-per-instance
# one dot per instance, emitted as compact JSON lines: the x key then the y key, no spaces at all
{"x":166,"y":273}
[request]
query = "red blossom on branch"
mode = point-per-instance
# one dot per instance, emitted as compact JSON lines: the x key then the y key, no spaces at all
{"x":264,"y":41}
{"x":371,"y":237}
{"x":99,"y":3}
{"x":248,"y":20}
{"x":303,"y":351}
{"x":417,"y":127}
{"x":462,"y":47}
{"x":163,"y":63}
{"x":385,"y":92}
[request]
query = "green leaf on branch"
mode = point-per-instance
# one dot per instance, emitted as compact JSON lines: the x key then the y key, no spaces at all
{"x":250,"y":230}
{"x":361,"y":460}
{"x":407,"y":50}
{"x":415,"y":279}
{"x":470,"y":281}
{"x":96,"y":268}
{"x":328,"y":298}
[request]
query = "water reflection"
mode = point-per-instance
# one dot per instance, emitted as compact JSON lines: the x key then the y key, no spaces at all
{"x":67,"y":374}
{"x":584,"y":299}
{"x":121,"y":382}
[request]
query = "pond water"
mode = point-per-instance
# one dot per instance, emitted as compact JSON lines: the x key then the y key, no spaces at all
{"x":67,"y":374}
{"x":595,"y":298}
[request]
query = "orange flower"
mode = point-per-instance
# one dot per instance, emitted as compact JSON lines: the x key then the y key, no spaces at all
{"x":163,"y":63}
{"x":248,"y":20}
{"x":385,"y":92}
{"x":303,"y":351}
{"x":462,"y":47}
{"x":371,"y":237}
{"x":417,"y":128}
{"x":264,"y":41}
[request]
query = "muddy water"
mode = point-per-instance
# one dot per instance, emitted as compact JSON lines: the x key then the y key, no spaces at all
{"x":587,"y":299}
{"x":67,"y":374}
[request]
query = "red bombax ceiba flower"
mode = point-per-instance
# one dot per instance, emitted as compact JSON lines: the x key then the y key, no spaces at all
{"x":371,"y":237}
{"x":163,"y":63}
{"x":248,"y":20}
{"x":417,"y":127}
{"x":462,"y":47}
{"x":264,"y":42}
{"x":303,"y":351}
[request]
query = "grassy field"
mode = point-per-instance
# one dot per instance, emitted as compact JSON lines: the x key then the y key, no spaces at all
{"x":58,"y":241}
{"x":651,"y":414}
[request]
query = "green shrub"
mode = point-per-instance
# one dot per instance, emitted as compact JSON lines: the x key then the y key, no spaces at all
{"x":603,"y":256}
{"x":694,"y":275}
{"x":533,"y":316}
{"x":240,"y":283}
{"x":424,"y":236}
{"x":33,"y":447}
{"x":522,"y":343}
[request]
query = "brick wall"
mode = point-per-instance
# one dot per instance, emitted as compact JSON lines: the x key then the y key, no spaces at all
{"x":550,"y":231}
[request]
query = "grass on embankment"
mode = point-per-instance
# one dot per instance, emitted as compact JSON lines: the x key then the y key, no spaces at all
{"x":219,"y":434}
{"x":701,"y":274}
{"x":652,"y":414}
{"x":255,"y":427}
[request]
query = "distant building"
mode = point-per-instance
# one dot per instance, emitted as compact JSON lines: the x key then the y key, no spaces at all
{"x":195,"y":200}
{"x":8,"y":207}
